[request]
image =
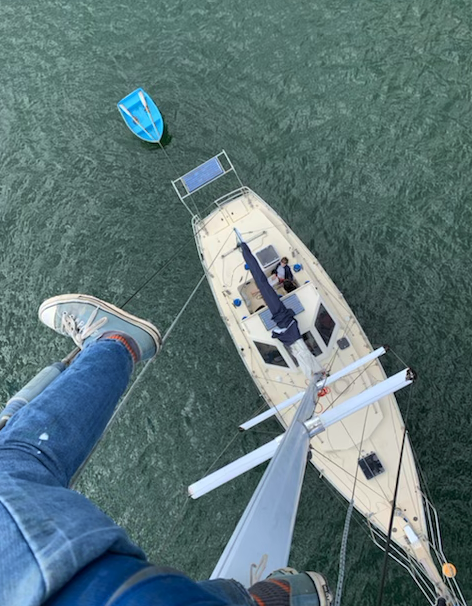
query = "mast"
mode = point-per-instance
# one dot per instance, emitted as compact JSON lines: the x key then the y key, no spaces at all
{"x":263,"y":536}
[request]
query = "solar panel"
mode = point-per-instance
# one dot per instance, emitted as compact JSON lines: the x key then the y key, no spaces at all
{"x":292,"y":302}
{"x":203,"y":174}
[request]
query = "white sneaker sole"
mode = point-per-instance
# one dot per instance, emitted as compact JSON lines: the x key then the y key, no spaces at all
{"x":321,"y":583}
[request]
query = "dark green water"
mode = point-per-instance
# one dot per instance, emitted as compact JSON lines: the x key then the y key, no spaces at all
{"x":353,"y":119}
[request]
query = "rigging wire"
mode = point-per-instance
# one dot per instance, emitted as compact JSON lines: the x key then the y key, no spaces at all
{"x":349,"y":512}
{"x":184,"y":307}
{"x":344,"y":424}
{"x":165,"y":543}
{"x":328,"y":370}
{"x":394,"y":502}
{"x":342,"y":501}
{"x":169,"y":260}
{"x":365,"y":369}
{"x":157,"y":272}
{"x":125,"y":399}
{"x":167,"y":334}
{"x":333,"y":462}
{"x":68,"y":359}
{"x":351,"y":504}
{"x":398,"y":357}
{"x":347,"y":525}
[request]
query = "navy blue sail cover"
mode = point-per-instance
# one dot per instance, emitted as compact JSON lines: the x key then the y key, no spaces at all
{"x":283,"y":317}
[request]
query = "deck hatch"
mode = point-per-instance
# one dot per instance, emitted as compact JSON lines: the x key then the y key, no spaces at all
{"x":291,"y":301}
{"x":271,"y":354}
{"x":267,"y":256}
{"x":324,"y":324}
{"x":343,"y":343}
{"x":371,"y":466}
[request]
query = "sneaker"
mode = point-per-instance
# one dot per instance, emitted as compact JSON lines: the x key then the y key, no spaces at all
{"x":288,"y":587}
{"x":85,"y":319}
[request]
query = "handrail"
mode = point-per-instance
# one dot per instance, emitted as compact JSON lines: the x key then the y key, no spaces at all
{"x":417,"y":573}
{"x":437,"y":547}
{"x":202,"y":175}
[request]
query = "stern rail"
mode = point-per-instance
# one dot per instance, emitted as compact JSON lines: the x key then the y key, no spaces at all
{"x":202,"y":175}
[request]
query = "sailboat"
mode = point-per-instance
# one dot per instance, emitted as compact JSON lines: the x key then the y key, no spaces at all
{"x":313,"y":364}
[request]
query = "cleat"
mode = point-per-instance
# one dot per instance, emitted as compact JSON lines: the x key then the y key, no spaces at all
{"x":85,"y":319}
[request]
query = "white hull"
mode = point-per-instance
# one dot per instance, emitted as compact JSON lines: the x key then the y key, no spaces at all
{"x":358,"y":455}
{"x":335,"y":453}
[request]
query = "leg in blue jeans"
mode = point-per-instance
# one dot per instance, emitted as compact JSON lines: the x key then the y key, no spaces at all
{"x":53,"y":537}
{"x":69,"y":416}
{"x":50,"y":532}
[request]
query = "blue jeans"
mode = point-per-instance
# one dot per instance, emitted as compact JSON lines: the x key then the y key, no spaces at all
{"x":48,"y":533}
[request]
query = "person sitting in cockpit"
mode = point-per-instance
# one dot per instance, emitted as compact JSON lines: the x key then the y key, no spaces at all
{"x":285,"y":275}
{"x":289,"y":286}
{"x":283,"y":270}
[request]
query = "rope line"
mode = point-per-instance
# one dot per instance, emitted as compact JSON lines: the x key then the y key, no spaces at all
{"x":166,"y":263}
{"x":184,"y":307}
{"x":342,"y":554}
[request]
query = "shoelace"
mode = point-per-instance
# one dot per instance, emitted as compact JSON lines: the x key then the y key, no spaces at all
{"x":79,"y":333}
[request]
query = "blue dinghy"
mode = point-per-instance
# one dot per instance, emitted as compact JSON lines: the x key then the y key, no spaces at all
{"x":142,"y":116}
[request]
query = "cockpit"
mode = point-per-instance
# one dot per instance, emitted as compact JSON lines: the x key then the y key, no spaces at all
{"x":268,"y":259}
{"x":316,"y":324}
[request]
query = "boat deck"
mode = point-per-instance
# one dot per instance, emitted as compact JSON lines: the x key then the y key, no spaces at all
{"x":372,"y":434}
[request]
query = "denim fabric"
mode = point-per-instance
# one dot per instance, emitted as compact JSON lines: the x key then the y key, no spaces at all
{"x":229,"y":590}
{"x":101,"y":583}
{"x":48,"y":533}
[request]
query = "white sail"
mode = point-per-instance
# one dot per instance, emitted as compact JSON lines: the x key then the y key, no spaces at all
{"x":305,"y":359}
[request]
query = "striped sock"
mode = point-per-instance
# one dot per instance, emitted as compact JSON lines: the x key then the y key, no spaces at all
{"x":272,"y":592}
{"x":127,"y":341}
